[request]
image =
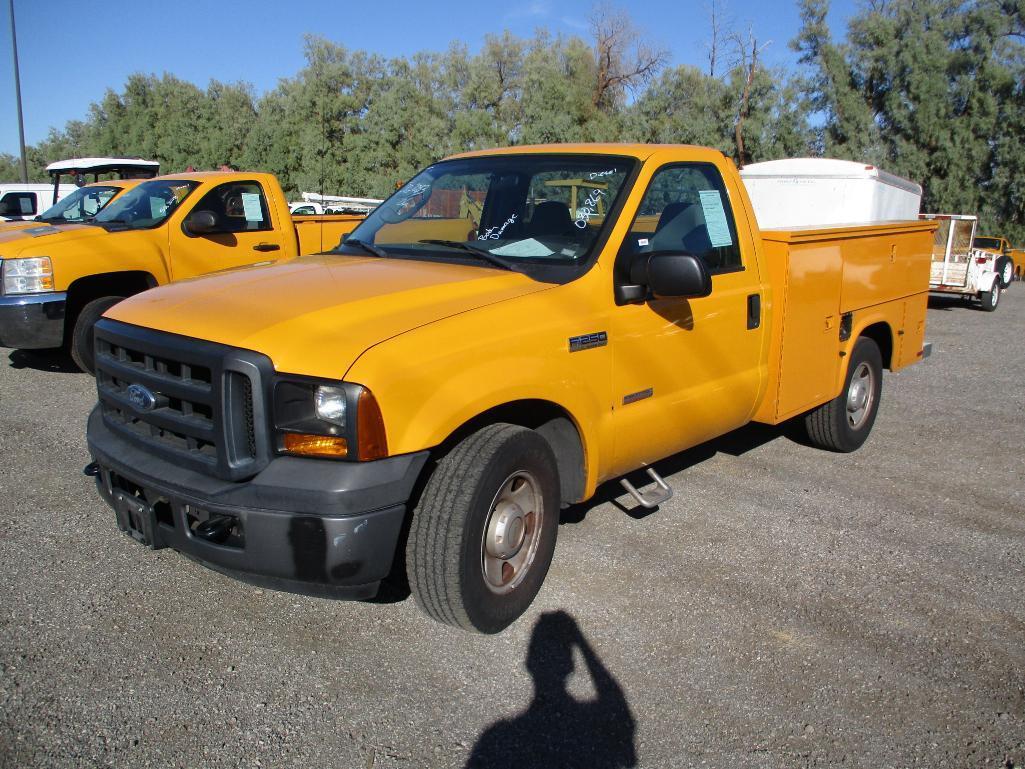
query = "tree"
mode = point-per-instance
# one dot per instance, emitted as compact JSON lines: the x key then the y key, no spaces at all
{"x":622,"y":60}
{"x":930,"y":89}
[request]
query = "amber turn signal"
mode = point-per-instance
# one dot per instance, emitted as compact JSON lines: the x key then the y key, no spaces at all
{"x":316,"y":445}
{"x":373,"y":443}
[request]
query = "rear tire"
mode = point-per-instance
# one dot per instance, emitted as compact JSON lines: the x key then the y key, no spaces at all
{"x":483,"y":534}
{"x":843,"y":424}
{"x":990,"y":299}
{"x":81,"y":344}
{"x":1005,"y":269}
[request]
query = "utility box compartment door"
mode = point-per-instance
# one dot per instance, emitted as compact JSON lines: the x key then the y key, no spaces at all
{"x":909,"y":348}
{"x":884,"y":266}
{"x":810,"y":361}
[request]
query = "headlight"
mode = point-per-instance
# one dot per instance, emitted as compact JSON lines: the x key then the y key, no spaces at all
{"x":27,"y":276}
{"x":337,"y":420}
{"x":331,"y":404}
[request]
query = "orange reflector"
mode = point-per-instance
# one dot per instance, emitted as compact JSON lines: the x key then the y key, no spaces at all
{"x":316,"y":445}
{"x":373,"y":443}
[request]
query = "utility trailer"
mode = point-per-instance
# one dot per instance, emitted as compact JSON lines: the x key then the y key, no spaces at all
{"x":957,"y":266}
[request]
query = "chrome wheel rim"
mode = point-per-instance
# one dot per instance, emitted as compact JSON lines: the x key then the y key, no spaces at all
{"x":860,"y":395}
{"x":511,"y":533}
{"x":994,"y":296}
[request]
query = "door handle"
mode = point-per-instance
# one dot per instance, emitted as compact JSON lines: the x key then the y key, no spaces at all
{"x":754,"y":311}
{"x":266,"y":247}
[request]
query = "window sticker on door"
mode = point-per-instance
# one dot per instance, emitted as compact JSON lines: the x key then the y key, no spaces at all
{"x":251,"y":205}
{"x":715,"y":218}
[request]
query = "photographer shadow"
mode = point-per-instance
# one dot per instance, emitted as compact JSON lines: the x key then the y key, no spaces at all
{"x":558,"y":729}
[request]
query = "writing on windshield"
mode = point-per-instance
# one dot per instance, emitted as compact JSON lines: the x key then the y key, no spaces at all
{"x":527,"y":209}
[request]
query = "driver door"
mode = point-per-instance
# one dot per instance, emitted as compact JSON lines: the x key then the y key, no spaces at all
{"x":246,"y":235}
{"x":687,"y":370}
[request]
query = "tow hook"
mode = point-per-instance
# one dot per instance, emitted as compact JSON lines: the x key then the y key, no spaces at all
{"x":215,"y":529}
{"x":92,"y":470}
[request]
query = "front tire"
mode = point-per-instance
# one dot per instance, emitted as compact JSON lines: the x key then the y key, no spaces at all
{"x":843,"y":424}
{"x":990,"y":299}
{"x":81,"y":345}
{"x":483,"y":534}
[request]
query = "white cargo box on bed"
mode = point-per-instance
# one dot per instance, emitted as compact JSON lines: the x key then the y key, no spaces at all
{"x":802,"y":192}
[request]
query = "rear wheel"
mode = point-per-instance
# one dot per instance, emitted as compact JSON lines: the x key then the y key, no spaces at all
{"x":1005,"y":269}
{"x":81,"y":344}
{"x":990,"y":299}
{"x":483,"y":534}
{"x":843,"y":424}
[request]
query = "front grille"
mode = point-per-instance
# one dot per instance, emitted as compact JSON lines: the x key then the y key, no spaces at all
{"x":195,"y":402}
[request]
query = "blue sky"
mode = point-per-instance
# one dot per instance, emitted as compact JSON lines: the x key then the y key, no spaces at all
{"x":72,"y":52}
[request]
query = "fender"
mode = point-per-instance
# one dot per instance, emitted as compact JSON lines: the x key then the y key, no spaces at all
{"x":889,"y":314}
{"x":433,"y":379}
{"x":986,"y":281}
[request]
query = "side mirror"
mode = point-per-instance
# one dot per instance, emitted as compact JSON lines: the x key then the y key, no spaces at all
{"x":671,"y":275}
{"x":200,"y":223}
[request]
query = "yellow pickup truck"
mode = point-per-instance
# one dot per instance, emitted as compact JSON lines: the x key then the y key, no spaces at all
{"x":79,"y":206}
{"x":434,"y":390}
{"x":57,"y":281}
{"x":1010,"y":261}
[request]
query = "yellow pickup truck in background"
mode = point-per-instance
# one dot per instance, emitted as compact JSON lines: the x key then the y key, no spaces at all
{"x":79,"y":206}
{"x":509,"y":330}
{"x":1010,"y":261}
{"x":57,"y":281}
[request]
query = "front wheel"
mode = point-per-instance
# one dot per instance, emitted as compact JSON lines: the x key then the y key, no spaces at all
{"x":843,"y":424}
{"x":81,"y":343}
{"x":483,"y":534}
{"x":990,"y":299}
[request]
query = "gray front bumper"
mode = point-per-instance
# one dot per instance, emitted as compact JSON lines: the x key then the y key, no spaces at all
{"x":32,"y":321}
{"x":308,"y":526}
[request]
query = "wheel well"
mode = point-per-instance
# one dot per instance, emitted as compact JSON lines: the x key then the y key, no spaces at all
{"x":880,"y":334}
{"x":84,"y":290}
{"x":553,"y":423}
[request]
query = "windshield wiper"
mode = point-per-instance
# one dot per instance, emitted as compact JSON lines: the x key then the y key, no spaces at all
{"x":479,"y":252}
{"x":370,"y":248}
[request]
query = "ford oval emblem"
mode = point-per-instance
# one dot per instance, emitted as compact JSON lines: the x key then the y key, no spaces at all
{"x":141,"y":398}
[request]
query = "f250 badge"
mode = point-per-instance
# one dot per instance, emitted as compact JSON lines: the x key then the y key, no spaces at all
{"x":587,"y":341}
{"x":141,"y":398}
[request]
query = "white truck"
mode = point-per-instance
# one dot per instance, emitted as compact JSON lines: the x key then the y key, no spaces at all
{"x":957,"y":266}
{"x":23,"y":202}
{"x":314,"y":204}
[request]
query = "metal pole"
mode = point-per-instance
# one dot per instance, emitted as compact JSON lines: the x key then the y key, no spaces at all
{"x":17,"y":90}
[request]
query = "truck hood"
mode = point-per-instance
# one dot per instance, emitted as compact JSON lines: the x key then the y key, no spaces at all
{"x":316,"y":315}
{"x":41,"y":237}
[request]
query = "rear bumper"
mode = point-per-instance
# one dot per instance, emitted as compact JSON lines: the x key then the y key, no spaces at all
{"x":32,"y":321}
{"x":309,"y":526}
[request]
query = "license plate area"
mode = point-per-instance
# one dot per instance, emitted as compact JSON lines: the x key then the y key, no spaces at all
{"x":135,"y":517}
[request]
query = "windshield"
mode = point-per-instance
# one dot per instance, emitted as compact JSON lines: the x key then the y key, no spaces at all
{"x":992,"y":244}
{"x":84,"y":203}
{"x":527,"y":211}
{"x":147,"y":205}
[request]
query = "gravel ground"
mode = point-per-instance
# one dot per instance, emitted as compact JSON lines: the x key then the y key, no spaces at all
{"x":788,"y":608}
